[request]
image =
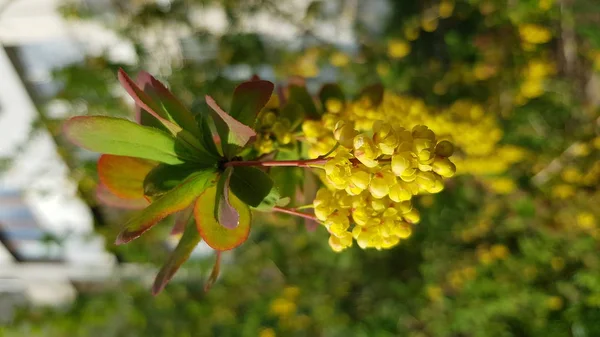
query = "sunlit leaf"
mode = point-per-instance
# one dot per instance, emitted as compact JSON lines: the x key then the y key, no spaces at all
{"x":189,"y":240}
{"x":251,"y":185}
{"x":122,"y":138}
{"x":234,"y":135}
{"x":124,"y":176}
{"x":173,"y":201}
{"x":107,"y":198}
{"x":248,"y":99}
{"x":164,"y":178}
{"x":214,"y":234}
{"x":224,"y":211}
{"x":298,"y":94}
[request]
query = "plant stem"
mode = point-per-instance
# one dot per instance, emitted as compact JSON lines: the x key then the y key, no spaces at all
{"x":295,"y":212}
{"x":269,"y":163}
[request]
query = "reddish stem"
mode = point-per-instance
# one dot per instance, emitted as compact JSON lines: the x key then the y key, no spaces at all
{"x":297,"y":163}
{"x":296,"y":213}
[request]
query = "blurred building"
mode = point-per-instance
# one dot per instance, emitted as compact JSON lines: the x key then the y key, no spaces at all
{"x":47,"y":243}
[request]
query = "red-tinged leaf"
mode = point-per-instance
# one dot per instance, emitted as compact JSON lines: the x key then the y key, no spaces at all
{"x":248,"y":99}
{"x":173,"y":201}
{"x":181,"y":219}
{"x":233,"y":134}
{"x":165,"y":100}
{"x":122,"y":137}
{"x":214,"y":274}
{"x":124,"y":176}
{"x":150,"y":105}
{"x":214,"y":234}
{"x":107,"y":198}
{"x":143,"y":100}
{"x":226,"y":214}
{"x":182,"y":252}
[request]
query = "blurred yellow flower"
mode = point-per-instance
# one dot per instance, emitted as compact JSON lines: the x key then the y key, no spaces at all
{"x":502,"y":185}
{"x":267,"y":332}
{"x":339,"y":59}
{"x":429,"y":23}
{"x":554,"y":303}
{"x":563,"y":191}
{"x":534,"y":34}
{"x":446,"y":8}
{"x":532,"y":88}
{"x":545,"y":4}
{"x":282,"y":307}
{"x":398,"y":49}
{"x":434,"y":293}
{"x":586,"y":220}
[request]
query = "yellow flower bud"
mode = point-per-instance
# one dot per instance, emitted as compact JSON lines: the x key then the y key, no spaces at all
{"x":365,"y":150}
{"x":398,"y":192}
{"x":402,"y":230}
{"x":444,"y":167}
{"x":381,"y":183}
{"x":444,"y":148}
{"x":401,"y":162}
{"x":312,"y":129}
{"x":385,"y":137}
{"x":361,"y":216}
{"x":339,"y":243}
{"x":334,"y":105}
{"x":344,"y":133}
{"x":330,"y":120}
{"x":412,"y":216}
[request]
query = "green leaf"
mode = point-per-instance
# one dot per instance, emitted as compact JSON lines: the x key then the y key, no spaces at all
{"x":124,"y":176}
{"x":248,"y":99}
{"x":121,"y":137}
{"x":189,"y":240}
{"x":206,"y":126}
{"x":299,"y":95}
{"x":251,"y":185}
{"x":164,"y":178}
{"x":173,"y":201}
{"x":331,"y":91}
{"x":214,"y":234}
{"x":271,"y":200}
{"x":234,"y":135}
{"x":373,"y":94}
{"x":224,"y":211}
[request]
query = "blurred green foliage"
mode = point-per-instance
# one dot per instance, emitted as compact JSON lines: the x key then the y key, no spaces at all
{"x":508,"y":254}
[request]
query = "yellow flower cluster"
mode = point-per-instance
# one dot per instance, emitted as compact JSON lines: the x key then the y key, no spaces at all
{"x":464,"y":123}
{"x":372,"y":178}
{"x":273,"y":130}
